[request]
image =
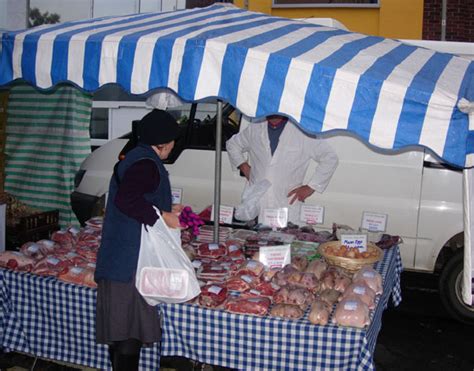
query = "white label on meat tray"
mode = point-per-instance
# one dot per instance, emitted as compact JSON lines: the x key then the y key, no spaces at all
{"x":197,"y":263}
{"x":47,"y":243}
{"x":255,"y":292}
{"x":374,"y":222}
{"x":275,"y":256}
{"x":368,"y":274}
{"x":350,"y":305}
{"x":213,"y":246}
{"x":311,"y":214}
{"x":33,"y":248}
{"x":246,"y":278}
{"x":52,"y":260}
{"x":215,"y":290}
{"x":358,"y":241}
{"x":359,"y":290}
{"x":252,"y":264}
{"x":76,"y":270}
{"x":233,"y":248}
{"x":74,"y":230}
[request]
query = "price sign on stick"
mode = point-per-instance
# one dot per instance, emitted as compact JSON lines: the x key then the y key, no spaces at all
{"x":176,"y":195}
{"x":275,"y":218}
{"x":358,"y":241}
{"x":312,"y":214}
{"x":374,"y":222}
{"x":226,"y":214}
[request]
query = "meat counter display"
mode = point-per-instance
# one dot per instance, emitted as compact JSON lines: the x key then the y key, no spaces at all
{"x":54,"y":319}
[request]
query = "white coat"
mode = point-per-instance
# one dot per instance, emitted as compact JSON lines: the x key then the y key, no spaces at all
{"x":287,"y":167}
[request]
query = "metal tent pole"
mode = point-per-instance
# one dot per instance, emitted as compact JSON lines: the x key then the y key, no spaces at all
{"x":217,"y":172}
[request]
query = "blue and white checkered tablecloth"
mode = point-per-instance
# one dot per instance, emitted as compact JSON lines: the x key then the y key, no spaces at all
{"x":56,"y":320}
{"x":265,"y":343}
{"x":52,"y":319}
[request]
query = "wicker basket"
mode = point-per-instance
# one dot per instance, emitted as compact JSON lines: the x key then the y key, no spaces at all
{"x":350,"y":264}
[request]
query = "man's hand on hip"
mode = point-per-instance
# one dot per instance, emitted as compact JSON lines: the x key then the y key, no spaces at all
{"x":245,"y":169}
{"x":300,"y":193}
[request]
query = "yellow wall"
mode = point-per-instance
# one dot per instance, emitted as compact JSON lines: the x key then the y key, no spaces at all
{"x":401,"y":19}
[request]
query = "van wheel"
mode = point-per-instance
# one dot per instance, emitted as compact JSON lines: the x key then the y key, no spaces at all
{"x":450,"y":287}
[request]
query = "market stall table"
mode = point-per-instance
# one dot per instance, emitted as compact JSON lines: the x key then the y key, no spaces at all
{"x":48,"y":318}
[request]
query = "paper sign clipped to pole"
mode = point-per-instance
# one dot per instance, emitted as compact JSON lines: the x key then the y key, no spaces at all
{"x":374,"y":222}
{"x":311,"y":214}
{"x":226,"y":213}
{"x":275,"y":218}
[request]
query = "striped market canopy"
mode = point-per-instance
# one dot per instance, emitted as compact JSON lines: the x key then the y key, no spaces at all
{"x":388,"y":93}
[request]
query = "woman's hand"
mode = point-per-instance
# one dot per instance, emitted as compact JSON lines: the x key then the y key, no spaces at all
{"x":171,"y":219}
{"x":245,"y":169}
{"x":177,"y":208}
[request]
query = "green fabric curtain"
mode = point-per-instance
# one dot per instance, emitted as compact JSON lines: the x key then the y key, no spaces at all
{"x":47,"y":140}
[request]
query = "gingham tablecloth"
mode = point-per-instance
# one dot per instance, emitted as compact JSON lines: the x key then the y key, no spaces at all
{"x":52,"y":319}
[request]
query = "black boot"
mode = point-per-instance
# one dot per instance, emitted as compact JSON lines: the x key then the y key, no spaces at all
{"x":125,"y":355}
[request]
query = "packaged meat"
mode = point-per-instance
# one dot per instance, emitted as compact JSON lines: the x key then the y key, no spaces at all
{"x":95,"y":223}
{"x":32,"y":249}
{"x":211,"y":250}
{"x":319,"y":313}
{"x":255,"y":306}
{"x":330,"y":296}
{"x":164,"y":282}
{"x":364,"y":292}
{"x":252,"y":267}
{"x":64,"y":238}
{"x":79,"y":276}
{"x":371,"y":277}
{"x":281,"y":277}
{"x":352,"y":312}
{"x":341,"y":283}
{"x":317,"y":267}
{"x":289,"y":311}
{"x":299,"y":262}
{"x":292,"y":295}
{"x":16,"y":260}
{"x":212,"y":296}
{"x":241,"y":282}
{"x":51,"y":265}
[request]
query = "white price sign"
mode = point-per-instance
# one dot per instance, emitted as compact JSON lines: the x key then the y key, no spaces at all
{"x":312,"y":214}
{"x":176,"y":195}
{"x":358,"y":241}
{"x":374,"y":222}
{"x":275,"y":218}
{"x":275,"y":256}
{"x":226,"y":214}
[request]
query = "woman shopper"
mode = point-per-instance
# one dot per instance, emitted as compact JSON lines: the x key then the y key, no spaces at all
{"x":140,"y":182}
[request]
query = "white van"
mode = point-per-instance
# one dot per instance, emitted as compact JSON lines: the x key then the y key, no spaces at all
{"x":421,"y":196}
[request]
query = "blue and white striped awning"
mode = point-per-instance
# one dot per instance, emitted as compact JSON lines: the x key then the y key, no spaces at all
{"x":388,"y":93}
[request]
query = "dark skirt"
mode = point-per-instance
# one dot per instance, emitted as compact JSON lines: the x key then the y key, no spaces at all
{"x":123,"y":314}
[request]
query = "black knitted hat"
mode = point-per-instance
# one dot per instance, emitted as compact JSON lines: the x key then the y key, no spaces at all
{"x":157,"y":127}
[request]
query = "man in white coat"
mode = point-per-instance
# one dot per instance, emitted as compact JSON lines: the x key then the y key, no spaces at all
{"x":277,"y":150}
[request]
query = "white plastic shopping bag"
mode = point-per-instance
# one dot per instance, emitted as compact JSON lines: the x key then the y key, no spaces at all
{"x":250,"y":206}
{"x":164,"y":272}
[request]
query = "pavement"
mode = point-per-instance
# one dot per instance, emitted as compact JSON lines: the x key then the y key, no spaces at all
{"x":418,"y":335}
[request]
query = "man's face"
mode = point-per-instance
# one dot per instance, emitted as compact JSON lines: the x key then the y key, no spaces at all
{"x":276,"y":120}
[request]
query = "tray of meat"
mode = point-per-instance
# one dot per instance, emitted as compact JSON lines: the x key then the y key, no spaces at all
{"x":252,"y":267}
{"x":78,"y":275}
{"x":51,"y":265}
{"x":256,"y":306}
{"x":241,"y":282}
{"x":17,"y":261}
{"x":212,"y":296}
{"x":351,"y":312}
{"x":164,"y":282}
{"x":211,"y":250}
{"x":289,"y":311}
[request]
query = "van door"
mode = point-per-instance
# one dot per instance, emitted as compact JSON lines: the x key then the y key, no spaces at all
{"x":373,"y":180}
